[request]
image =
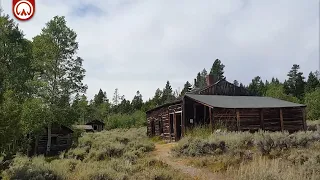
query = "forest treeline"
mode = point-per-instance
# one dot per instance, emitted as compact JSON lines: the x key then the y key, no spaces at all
{"x":41,"y":84}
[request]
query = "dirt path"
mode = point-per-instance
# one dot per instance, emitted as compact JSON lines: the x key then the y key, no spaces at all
{"x":162,"y":153}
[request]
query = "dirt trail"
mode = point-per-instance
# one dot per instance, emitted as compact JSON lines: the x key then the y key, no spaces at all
{"x":162,"y":153}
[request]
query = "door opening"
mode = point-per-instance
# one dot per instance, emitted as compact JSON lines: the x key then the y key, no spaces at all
{"x":178,"y":125}
{"x":153,"y":128}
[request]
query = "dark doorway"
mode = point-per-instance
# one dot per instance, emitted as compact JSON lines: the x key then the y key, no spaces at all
{"x":153,"y":128}
{"x":171,"y":124}
{"x":178,"y":126}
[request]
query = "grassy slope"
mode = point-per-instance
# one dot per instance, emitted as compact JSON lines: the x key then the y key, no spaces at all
{"x":248,"y":156}
{"x":116,"y":154}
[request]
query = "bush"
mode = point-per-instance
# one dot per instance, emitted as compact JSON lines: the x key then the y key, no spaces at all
{"x":119,"y":154}
{"x":233,"y":142}
{"x":25,"y":168}
{"x":137,"y":119}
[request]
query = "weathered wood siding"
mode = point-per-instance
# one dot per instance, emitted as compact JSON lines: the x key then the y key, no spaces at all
{"x":161,"y":117}
{"x":254,"y":119}
{"x":225,"y":88}
{"x":62,"y":136}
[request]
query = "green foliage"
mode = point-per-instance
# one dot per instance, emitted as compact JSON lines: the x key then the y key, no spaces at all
{"x":312,"y":100}
{"x":186,"y":88}
{"x":117,"y":154}
{"x":277,"y":91}
{"x":217,"y":69}
{"x":312,"y":83}
{"x":295,"y":84}
{"x":257,"y":87}
{"x":167,"y":94}
{"x":137,"y":119}
{"x":9,"y":121}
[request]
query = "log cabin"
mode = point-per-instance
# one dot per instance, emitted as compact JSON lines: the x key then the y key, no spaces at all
{"x":223,"y":104}
{"x":61,"y":139}
{"x":96,"y":125}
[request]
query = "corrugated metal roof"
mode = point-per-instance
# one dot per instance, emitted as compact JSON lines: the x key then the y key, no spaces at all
{"x":242,"y":101}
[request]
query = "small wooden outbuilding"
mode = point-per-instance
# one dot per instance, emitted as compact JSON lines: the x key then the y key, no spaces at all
{"x":61,"y":139}
{"x":224,"y":104}
{"x":97,"y":125}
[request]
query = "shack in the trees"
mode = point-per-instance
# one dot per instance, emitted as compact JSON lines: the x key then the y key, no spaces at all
{"x":97,"y":125}
{"x":61,"y":139}
{"x":223,"y":104}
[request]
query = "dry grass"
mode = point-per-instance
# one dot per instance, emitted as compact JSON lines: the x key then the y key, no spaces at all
{"x":262,"y":155}
{"x":117,"y":154}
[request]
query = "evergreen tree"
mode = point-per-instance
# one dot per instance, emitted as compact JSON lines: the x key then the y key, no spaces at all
{"x":116,"y":97}
{"x":217,"y":70}
{"x":236,"y":83}
{"x":256,"y":87}
{"x":312,"y":82}
{"x":167,"y":95}
{"x":295,"y":84}
{"x":199,"y":81}
{"x":157,"y":99}
{"x":137,"y":101}
{"x":100,"y":98}
{"x":186,"y":88}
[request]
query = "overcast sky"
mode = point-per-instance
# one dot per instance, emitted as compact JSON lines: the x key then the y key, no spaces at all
{"x":140,"y":44}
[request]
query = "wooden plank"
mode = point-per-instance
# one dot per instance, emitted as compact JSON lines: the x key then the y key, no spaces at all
{"x":194,"y":113}
{"x":204,"y":114}
{"x":281,"y":120}
{"x":261,"y":120}
{"x":183,"y":126}
{"x":210,"y":117}
{"x":175,"y":127}
{"x":238,"y":119}
{"x":304,"y":117}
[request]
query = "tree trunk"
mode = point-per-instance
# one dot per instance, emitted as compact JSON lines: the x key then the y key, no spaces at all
{"x":49,"y":139}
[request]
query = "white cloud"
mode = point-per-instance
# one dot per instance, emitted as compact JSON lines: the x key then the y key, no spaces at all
{"x":138,"y":45}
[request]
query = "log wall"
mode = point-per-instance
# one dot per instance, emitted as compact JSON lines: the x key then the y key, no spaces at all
{"x":269,"y":119}
{"x":161,"y":117}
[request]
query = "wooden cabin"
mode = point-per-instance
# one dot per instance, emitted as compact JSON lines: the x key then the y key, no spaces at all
{"x":61,"y":139}
{"x":222,"y":104}
{"x":96,"y":125}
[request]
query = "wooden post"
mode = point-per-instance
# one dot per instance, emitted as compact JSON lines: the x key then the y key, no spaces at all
{"x":204,"y":114}
{"x":261,"y":119}
{"x":183,"y":125}
{"x":210,"y":117}
{"x":194,"y":113}
{"x":281,"y":120}
{"x":238,"y":119}
{"x":175,"y":126}
{"x":304,"y":122}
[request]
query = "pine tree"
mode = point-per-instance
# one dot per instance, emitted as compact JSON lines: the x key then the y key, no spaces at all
{"x":167,"y":95}
{"x":157,"y":99}
{"x":116,"y":97}
{"x":257,"y":87}
{"x":312,"y":82}
{"x":236,"y":83}
{"x":186,"y":88}
{"x":217,"y":70}
{"x":137,"y":101}
{"x":100,"y":98}
{"x":295,"y":84}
